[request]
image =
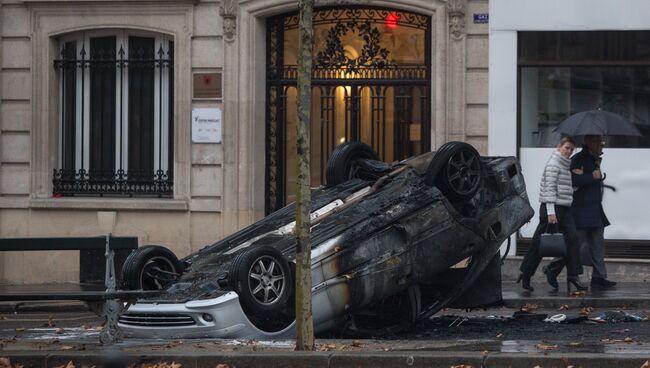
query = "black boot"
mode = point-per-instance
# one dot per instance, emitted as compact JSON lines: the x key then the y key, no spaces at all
{"x":550,"y":277}
{"x":602,"y":283}
{"x":575,"y":280}
{"x":525,"y":282}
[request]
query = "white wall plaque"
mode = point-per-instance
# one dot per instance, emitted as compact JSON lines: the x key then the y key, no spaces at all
{"x":206,"y":125}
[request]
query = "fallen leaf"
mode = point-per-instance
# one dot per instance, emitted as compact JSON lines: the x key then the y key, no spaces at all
{"x":646,"y":364}
{"x":528,"y":307}
{"x":485,"y":352}
{"x":627,"y":306}
{"x":69,"y":365}
{"x":5,"y":363}
{"x":628,"y":339}
{"x":575,"y":344}
{"x":67,"y":347}
{"x":546,"y":347}
{"x":462,"y":366}
{"x":578,"y":293}
{"x":584,"y":311}
{"x":356,"y":344}
{"x":499,"y":336}
{"x":59,"y":331}
{"x":20,"y":329}
{"x":2,"y":318}
{"x":564,"y":307}
{"x":50,"y":322}
{"x":222,"y":365}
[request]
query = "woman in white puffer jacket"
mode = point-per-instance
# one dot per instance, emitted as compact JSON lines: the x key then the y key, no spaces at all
{"x":556,"y":195}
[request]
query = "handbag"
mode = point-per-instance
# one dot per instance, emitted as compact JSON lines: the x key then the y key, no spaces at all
{"x":551,"y":244}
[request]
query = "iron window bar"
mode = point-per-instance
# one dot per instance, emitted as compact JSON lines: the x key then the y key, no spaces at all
{"x":115,"y":182}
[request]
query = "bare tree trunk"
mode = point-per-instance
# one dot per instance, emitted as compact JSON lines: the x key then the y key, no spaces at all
{"x":304,"y":320}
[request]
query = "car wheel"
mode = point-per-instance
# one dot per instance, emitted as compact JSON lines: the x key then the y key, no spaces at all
{"x":262,"y":279}
{"x":456,"y":170}
{"x":341,"y":165}
{"x":151,"y":267}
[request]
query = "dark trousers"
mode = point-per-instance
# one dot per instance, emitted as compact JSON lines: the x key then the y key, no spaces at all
{"x":567,"y":226}
{"x":593,"y":250}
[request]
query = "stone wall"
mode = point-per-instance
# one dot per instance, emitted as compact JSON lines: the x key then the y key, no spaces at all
{"x":476,"y":115}
{"x":219,"y":188}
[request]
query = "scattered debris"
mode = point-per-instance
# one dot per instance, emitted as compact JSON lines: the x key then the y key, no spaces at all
{"x":575,"y":343}
{"x":222,"y":365}
{"x":619,"y":316}
{"x":5,"y":363}
{"x":564,"y":307}
{"x":628,"y":339}
{"x":578,"y":293}
{"x":543,"y":346}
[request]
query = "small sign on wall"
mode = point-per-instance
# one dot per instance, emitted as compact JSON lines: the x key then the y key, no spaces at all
{"x":206,"y":125}
{"x":206,"y":85}
{"x":481,"y":18}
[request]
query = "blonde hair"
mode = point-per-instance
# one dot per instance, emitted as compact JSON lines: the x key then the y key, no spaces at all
{"x":565,"y":140}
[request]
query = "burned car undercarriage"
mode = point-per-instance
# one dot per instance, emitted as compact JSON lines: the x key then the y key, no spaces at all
{"x":390,"y":244}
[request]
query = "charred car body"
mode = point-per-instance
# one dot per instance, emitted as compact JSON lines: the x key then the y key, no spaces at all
{"x":390,"y":244}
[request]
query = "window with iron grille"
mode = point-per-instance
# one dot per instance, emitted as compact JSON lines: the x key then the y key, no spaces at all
{"x":115,"y":114}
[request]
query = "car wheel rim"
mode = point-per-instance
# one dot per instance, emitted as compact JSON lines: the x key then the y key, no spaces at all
{"x":463,"y":172}
{"x":157,"y":273}
{"x":266,"y":280}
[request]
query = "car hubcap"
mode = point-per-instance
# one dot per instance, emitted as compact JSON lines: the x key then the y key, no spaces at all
{"x":463,"y":172}
{"x":266,"y":280}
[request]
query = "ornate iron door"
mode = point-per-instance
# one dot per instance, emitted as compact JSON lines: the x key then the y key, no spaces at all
{"x":370,"y":83}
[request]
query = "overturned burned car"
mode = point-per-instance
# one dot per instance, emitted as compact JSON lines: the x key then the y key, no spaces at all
{"x":390,"y":244}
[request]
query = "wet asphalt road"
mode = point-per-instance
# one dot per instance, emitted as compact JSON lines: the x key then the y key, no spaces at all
{"x":452,"y":330}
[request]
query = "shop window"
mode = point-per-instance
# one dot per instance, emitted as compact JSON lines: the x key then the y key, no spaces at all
{"x":115,"y":115}
{"x":562,"y":73}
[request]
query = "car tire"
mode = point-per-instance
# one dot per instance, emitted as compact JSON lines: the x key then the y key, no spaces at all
{"x":151,"y":267}
{"x":341,"y":164}
{"x":456,"y":170}
{"x":262,"y":278}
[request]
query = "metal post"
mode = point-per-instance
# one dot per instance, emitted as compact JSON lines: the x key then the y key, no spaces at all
{"x":111,"y":332}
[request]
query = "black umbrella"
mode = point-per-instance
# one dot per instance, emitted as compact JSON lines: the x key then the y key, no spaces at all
{"x":597,"y":122}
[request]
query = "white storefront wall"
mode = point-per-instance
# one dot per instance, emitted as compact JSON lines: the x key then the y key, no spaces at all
{"x":627,"y":169}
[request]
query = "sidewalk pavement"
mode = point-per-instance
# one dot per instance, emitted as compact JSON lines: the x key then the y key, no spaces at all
{"x":450,"y":351}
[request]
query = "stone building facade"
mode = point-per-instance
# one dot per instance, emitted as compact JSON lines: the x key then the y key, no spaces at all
{"x":217,"y":188}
